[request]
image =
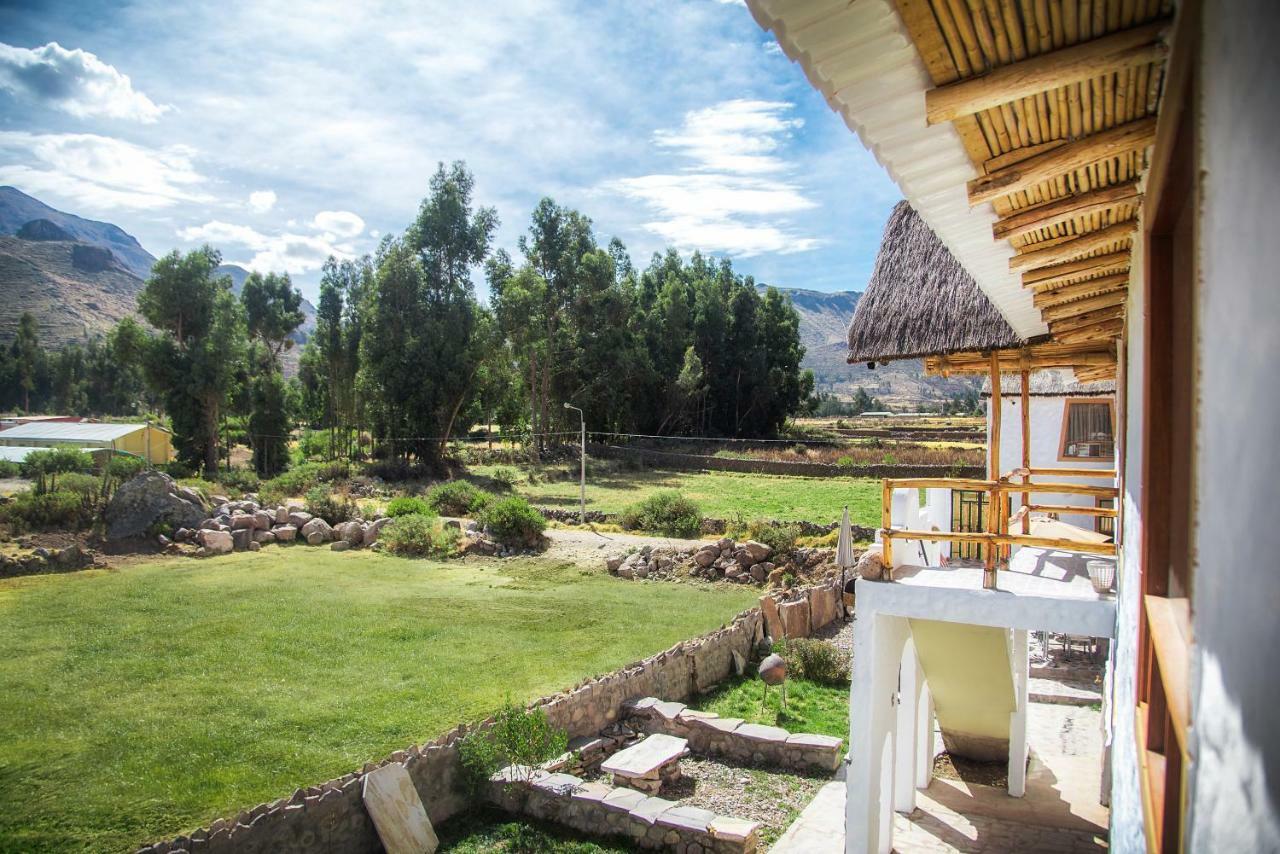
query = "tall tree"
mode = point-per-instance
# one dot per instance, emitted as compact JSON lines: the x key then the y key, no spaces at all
{"x":27,"y":356}
{"x":272,"y":310}
{"x":195,"y":360}
{"x":272,"y":314}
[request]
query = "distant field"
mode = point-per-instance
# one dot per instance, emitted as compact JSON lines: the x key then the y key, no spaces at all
{"x":720,"y":494}
{"x":141,"y":703}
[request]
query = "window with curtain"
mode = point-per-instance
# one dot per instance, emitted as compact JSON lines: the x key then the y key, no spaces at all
{"x":1087,"y":432}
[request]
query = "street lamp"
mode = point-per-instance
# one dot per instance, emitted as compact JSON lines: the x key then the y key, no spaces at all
{"x":582,"y":466}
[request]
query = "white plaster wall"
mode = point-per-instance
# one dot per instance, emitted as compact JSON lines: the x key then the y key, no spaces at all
{"x":1234,"y":798}
{"x":1046,"y":436}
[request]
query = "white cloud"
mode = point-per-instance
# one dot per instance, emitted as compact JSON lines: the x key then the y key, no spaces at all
{"x":101,"y":172}
{"x":261,"y":201}
{"x":286,"y":252}
{"x":339,"y":223}
{"x":74,"y":81}
{"x":735,"y":197}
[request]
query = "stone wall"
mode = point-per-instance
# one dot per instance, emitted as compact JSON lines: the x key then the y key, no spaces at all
{"x":669,"y":459}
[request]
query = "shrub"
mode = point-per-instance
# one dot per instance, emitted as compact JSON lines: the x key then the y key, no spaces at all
{"x":845,"y":462}
{"x":781,"y":537}
{"x":313,"y":443}
{"x":9,"y":469}
{"x":44,"y":467}
{"x":239,"y":480}
{"x":123,"y":469}
{"x":815,"y":661}
{"x":667,"y":512}
{"x":179,"y":470}
{"x":40,"y":510}
{"x":333,"y":507}
{"x":504,"y":477}
{"x":419,"y":535}
{"x":512,"y":521}
{"x":296,"y":481}
{"x":457,"y":498}
{"x":518,"y":737}
{"x":406,"y":506}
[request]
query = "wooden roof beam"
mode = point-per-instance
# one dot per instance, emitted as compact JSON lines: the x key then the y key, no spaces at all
{"x":1066,"y":209}
{"x":1111,"y":282}
{"x":1061,"y":274}
{"x":1094,"y":58}
{"x":1090,"y":318}
{"x":1087,"y":334}
{"x":1067,"y":250}
{"x":1070,"y":309}
{"x":1063,"y":160}
{"x":1091,"y":288}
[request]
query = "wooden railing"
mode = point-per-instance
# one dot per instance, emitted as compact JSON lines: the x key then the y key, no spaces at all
{"x":997,"y":538}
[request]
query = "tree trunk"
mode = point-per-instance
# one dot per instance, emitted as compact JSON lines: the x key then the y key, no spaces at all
{"x":533,"y":403}
{"x":211,"y":439}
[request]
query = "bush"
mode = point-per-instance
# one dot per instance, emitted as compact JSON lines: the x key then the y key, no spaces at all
{"x":406,"y":506}
{"x":419,"y":535}
{"x":781,"y":537}
{"x":457,"y":498}
{"x":45,"y":467}
{"x":179,"y":470}
{"x":313,"y":443}
{"x":845,"y":462}
{"x":518,"y":737}
{"x":239,"y":480}
{"x":504,"y":477}
{"x":10,"y":469}
{"x":512,"y":521}
{"x":333,"y":507}
{"x":815,"y":661}
{"x":667,"y":512}
{"x":41,"y":510}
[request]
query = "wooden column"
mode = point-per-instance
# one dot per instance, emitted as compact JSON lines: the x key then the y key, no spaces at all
{"x":886,"y":523}
{"x":1026,"y":445}
{"x":995,"y":503}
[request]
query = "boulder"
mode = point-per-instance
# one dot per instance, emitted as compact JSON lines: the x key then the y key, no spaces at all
{"x":759,"y":574}
{"x":282,"y":516}
{"x":243,"y":521}
{"x":241,"y":537}
{"x":285,"y":533}
{"x":795,"y":618}
{"x":352,"y":532}
{"x":733,"y":572}
{"x":612,"y":563}
{"x":317,"y":527}
{"x":340,"y":546}
{"x":706,"y":555}
{"x":254,"y":545}
{"x":824,"y":606}
{"x":148,"y":498}
{"x":772,"y":623}
{"x":725,"y":544}
{"x":264,"y":537}
{"x":262,"y":520}
{"x":316,"y":538}
{"x":871,"y":565}
{"x":374,"y":530}
{"x":216,"y":542}
{"x":744,"y":558}
{"x":298,"y":518}
{"x":758,"y":551}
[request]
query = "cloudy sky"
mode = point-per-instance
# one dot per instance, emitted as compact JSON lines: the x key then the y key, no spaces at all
{"x":285,"y":132}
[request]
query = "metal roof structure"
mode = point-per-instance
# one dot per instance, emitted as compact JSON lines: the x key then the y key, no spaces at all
{"x":16,"y":453}
{"x":61,"y":431}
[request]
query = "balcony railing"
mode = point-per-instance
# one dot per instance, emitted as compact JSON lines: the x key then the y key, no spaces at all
{"x":997,"y":538}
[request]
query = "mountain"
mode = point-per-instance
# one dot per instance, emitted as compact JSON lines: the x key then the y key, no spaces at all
{"x":824,"y":325}
{"x":79,"y":276}
{"x":17,"y":209}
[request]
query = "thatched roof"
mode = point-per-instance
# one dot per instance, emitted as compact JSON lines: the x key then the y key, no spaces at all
{"x":1051,"y":382}
{"x":920,"y":301}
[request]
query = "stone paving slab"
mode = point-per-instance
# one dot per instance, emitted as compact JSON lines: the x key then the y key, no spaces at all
{"x":687,"y":818}
{"x":646,"y":758}
{"x":650,"y":808}
{"x":624,"y":800}
{"x":760,"y":732}
{"x":593,"y":791}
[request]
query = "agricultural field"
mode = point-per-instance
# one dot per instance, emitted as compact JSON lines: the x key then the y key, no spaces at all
{"x":720,"y":495}
{"x":145,"y":701}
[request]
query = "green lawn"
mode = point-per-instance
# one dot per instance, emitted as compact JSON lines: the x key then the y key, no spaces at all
{"x":140,"y":703}
{"x":720,"y":494}
{"x":811,"y":707}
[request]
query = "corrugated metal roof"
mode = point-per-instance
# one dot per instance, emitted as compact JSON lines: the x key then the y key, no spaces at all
{"x":861,"y":57}
{"x":60,"y":430}
{"x":16,"y":454}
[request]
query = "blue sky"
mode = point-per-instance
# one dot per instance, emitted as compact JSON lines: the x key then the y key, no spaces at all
{"x":283,"y":132}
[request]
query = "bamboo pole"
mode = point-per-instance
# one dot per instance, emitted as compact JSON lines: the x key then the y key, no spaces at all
{"x":1067,"y":250}
{"x":1026,"y":444}
{"x":994,"y":503}
{"x":1072,"y":472}
{"x":1072,"y":270}
{"x":886,"y":523}
{"x":1066,"y":209}
{"x":994,"y":539}
{"x":1095,"y":58}
{"x":1068,"y":509}
{"x":1084,"y":306}
{"x":1073,"y":290}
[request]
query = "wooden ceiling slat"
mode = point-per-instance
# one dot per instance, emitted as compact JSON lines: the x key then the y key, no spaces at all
{"x":1112,"y":281}
{"x":1071,"y":309}
{"x":1074,"y":248}
{"x":1067,"y":209}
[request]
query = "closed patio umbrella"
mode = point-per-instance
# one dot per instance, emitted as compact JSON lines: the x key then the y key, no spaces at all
{"x":844,"y":556}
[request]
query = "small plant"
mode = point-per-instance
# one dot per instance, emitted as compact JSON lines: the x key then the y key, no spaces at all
{"x":419,"y":535}
{"x":408,"y":506}
{"x":45,"y":467}
{"x":815,"y":660}
{"x":781,"y":537}
{"x":519,"y":738}
{"x":504,"y":477}
{"x":667,"y":512}
{"x":239,"y":480}
{"x":845,"y":462}
{"x":10,"y":469}
{"x":42,"y":510}
{"x":788,"y":581}
{"x":512,"y":521}
{"x":890,"y":459}
{"x":457,"y":498}
{"x":333,"y":507}
{"x":799,"y":450}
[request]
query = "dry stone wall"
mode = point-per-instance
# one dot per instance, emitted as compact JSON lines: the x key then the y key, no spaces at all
{"x":668,"y":459}
{"x":331,"y":817}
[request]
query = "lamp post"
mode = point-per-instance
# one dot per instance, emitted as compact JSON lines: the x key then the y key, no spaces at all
{"x":582,"y":465}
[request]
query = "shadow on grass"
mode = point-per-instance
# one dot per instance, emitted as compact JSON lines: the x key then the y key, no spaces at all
{"x":488,"y":831}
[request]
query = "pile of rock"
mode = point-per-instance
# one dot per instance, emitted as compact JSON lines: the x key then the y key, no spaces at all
{"x":481,"y":541}
{"x":746,"y":562}
{"x":741,"y":562}
{"x":41,"y":559}
{"x":247,"y":526}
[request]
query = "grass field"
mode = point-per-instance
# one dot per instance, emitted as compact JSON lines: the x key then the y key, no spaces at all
{"x":719,"y":494}
{"x":811,"y":706}
{"x":139,"y":703}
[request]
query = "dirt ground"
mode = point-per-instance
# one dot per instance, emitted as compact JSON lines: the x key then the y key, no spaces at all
{"x":590,"y":548}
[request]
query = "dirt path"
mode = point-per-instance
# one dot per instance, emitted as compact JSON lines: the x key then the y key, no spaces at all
{"x":590,"y":548}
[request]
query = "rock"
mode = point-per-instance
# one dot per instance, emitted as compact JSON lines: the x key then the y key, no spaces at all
{"x":352,"y":532}
{"x":255,"y":546}
{"x":725,"y":544}
{"x":317,"y":526}
{"x":70,"y":556}
{"x":264,"y":537}
{"x":243,"y":522}
{"x":824,"y":607}
{"x":627,"y":571}
{"x":182,"y":534}
{"x":871,"y":565}
{"x":316,"y":538}
{"x":285,"y":533}
{"x":642,"y":570}
{"x":282,"y":515}
{"x":374,"y":530}
{"x":241,"y":537}
{"x":217,"y":542}
{"x":162,"y":540}
{"x":775,"y":575}
{"x":298,"y":518}
{"x":795,"y":618}
{"x":148,"y":498}
{"x":759,"y":574}
{"x":262,"y":520}
{"x":759,"y":551}
{"x":612,"y":563}
{"x":706,"y":556}
{"x":733,"y":572}
{"x":340,"y":546}
{"x":473,"y":525}
{"x":744,"y":558}
{"x":453,"y":523}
